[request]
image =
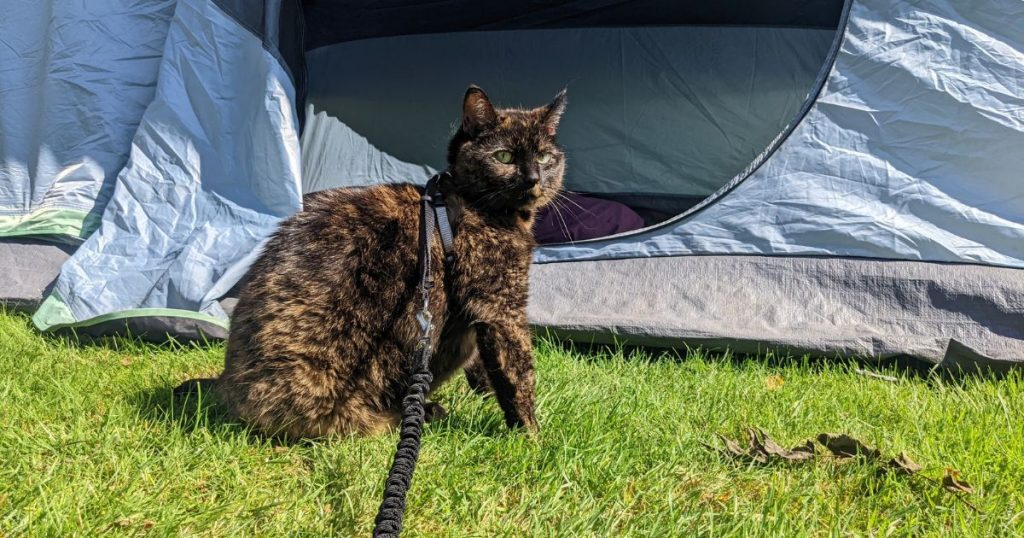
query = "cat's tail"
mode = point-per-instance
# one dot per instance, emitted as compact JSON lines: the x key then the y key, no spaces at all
{"x":195,"y":386}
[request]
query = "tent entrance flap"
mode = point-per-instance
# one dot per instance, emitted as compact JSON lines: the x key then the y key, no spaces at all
{"x":667,"y":113}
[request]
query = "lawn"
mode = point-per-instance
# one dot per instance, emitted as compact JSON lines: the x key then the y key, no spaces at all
{"x":92,"y":442}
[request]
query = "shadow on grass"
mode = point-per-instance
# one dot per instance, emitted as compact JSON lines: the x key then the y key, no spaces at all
{"x":887,"y":369}
{"x":202,"y":411}
{"x":198,"y":412}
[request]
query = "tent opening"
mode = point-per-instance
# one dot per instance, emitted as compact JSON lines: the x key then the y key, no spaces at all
{"x":662,"y":112}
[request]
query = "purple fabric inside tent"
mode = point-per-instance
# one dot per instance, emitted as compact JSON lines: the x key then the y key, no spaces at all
{"x":573,"y":217}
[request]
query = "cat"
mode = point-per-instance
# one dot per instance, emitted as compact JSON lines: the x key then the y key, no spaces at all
{"x":323,"y":332}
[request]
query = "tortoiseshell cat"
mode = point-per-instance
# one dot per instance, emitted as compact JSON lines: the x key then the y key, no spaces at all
{"x":323,"y":331}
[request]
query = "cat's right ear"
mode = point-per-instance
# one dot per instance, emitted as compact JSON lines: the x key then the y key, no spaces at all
{"x":477,"y":112}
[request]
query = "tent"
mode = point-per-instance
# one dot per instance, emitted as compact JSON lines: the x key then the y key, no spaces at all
{"x":817,"y":176}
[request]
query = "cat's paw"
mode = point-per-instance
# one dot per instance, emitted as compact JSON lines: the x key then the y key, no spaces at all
{"x":434,"y":411}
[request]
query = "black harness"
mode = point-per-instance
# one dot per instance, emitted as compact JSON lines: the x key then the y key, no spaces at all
{"x":392,"y":507}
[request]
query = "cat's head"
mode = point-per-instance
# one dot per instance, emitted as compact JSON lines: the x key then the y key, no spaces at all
{"x":506,"y":158}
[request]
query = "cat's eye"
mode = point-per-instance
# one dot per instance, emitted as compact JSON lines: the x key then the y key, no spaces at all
{"x":544,"y":158}
{"x":503,"y":156}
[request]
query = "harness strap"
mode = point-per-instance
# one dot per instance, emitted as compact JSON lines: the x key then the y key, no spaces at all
{"x":435,"y":198}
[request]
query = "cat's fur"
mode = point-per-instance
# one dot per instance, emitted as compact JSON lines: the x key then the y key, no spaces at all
{"x":323,"y":331}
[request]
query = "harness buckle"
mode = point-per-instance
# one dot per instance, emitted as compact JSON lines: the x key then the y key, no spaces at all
{"x":425,"y":320}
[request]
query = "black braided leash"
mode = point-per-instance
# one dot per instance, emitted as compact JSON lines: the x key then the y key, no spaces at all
{"x":392,"y":508}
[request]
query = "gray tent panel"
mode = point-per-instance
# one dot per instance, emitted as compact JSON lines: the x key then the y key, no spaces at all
{"x":30,"y":267}
{"x":214,"y":165}
{"x":333,"y":155}
{"x":75,"y":80}
{"x":912,"y":151}
{"x":959,"y":316}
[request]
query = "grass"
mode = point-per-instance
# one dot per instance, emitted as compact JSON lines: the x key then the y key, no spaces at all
{"x":91,"y":442}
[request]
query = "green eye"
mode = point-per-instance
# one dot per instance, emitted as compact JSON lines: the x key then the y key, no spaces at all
{"x":503,"y":156}
{"x":544,"y":158}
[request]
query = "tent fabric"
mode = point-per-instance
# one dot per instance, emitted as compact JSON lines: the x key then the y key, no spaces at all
{"x":334,"y":155}
{"x":657,"y":110}
{"x":956,"y":316}
{"x":29,"y":267}
{"x":912,"y":151}
{"x":881,"y":216}
{"x":213,"y":166}
{"x":334,"y":21}
{"x":75,"y":78}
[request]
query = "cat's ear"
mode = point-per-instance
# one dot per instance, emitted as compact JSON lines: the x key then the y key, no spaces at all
{"x":477,"y":112}
{"x":553,"y":113}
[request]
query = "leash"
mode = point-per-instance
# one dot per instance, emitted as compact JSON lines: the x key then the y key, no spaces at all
{"x":388,"y":523}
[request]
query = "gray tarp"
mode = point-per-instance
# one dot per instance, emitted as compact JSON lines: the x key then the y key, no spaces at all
{"x":958,"y":316}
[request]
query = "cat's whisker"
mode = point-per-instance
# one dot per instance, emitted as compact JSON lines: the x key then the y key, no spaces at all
{"x":565,"y":227}
{"x":563,"y":196}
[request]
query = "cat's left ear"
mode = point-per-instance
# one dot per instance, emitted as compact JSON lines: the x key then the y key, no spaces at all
{"x":553,"y":113}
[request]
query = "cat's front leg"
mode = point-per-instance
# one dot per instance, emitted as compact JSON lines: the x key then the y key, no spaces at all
{"x":506,"y":352}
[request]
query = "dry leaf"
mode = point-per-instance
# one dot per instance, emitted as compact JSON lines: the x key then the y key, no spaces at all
{"x":148,"y":524}
{"x":126,"y":361}
{"x":763,"y":443}
{"x":761,"y":449}
{"x":731,"y":446}
{"x":774,"y":382}
{"x":903,"y":464}
{"x":844,"y":446}
{"x":952,"y":483}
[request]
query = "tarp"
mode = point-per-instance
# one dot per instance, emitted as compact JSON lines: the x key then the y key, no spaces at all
{"x":957,"y":316}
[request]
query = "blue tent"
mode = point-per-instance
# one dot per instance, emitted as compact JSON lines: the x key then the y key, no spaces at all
{"x":816,"y":176}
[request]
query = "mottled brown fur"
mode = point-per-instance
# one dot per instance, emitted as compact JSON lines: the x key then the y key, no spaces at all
{"x":323,"y":331}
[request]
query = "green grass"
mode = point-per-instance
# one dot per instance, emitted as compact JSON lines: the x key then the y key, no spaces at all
{"x":91,"y":442}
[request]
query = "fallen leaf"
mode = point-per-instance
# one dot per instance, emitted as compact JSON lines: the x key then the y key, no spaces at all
{"x":844,"y":446}
{"x":774,"y":382}
{"x":731,"y":446}
{"x":763,"y":443}
{"x":762,"y":449}
{"x":903,"y":464}
{"x":148,"y":524}
{"x":952,"y":483}
{"x":126,"y":361}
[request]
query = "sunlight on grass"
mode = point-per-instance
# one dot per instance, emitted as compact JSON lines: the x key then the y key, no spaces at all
{"x":93,"y":442}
